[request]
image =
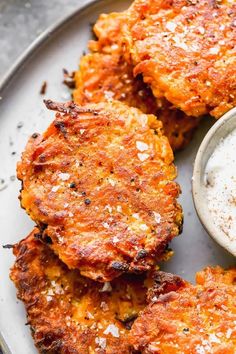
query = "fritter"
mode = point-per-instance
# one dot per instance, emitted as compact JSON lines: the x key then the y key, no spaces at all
{"x":107,"y":30}
{"x":99,"y":184}
{"x":68,"y":313}
{"x":183,"y":318}
{"x":104,"y":75}
{"x":186,"y":51}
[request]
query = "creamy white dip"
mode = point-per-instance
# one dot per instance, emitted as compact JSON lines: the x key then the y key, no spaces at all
{"x":220,"y":180}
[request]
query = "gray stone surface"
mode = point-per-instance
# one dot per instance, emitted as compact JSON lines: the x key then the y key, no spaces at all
{"x":22,"y":21}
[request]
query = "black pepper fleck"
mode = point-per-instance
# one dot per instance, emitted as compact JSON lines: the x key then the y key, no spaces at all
{"x":186,"y":330}
{"x":87,"y":201}
{"x":73,"y":185}
{"x":20,"y":125}
{"x":141,"y":254}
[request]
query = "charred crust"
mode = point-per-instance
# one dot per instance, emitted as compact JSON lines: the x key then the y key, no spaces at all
{"x":7,"y":246}
{"x":43,"y":226}
{"x":181,"y":224}
{"x":164,"y":283}
{"x":38,"y":236}
{"x":68,"y":108}
{"x":69,"y":78}
{"x":47,"y":239}
{"x":128,"y":322}
{"x":120,"y":266}
{"x":60,"y":126}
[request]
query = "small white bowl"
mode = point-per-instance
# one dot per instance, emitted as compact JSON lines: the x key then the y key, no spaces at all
{"x":219,"y":130}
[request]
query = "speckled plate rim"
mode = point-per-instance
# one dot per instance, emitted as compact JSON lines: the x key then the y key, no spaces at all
{"x":22,"y":60}
{"x":219,"y":130}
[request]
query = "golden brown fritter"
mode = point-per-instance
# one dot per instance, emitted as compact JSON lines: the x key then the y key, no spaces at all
{"x":186,"y":51}
{"x":107,"y":30}
{"x":104,"y":75}
{"x":189,"y":319}
{"x":99,"y":183}
{"x":68,"y":313}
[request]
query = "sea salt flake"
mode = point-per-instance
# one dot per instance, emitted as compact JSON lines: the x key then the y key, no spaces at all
{"x":112,"y":182}
{"x":113,"y":330}
{"x":200,"y":349}
{"x":89,"y":315}
{"x":104,"y":306}
{"x":179,"y":43}
{"x":108,"y":207}
{"x":60,"y":238}
{"x":213,"y":338}
{"x":55,"y":188}
{"x":171,"y":26}
{"x":201,"y":29}
{"x":115,"y":239}
{"x":157,"y":217}
{"x":143,"y":227}
{"x":228,"y":333}
{"x":82,"y":131}
{"x":114,"y":46}
{"x":102,"y":342}
{"x":143,"y":119}
{"x":106,"y":287}
{"x":106,"y":225}
{"x":214,"y":50}
{"x":48,"y":298}
{"x":64,"y":176}
{"x":109,"y":95}
{"x":221,"y":42}
{"x":143,"y":156}
{"x":57,"y":289}
{"x":119,"y":208}
{"x":141,"y":146}
{"x":50,"y":292}
{"x":136,"y":216}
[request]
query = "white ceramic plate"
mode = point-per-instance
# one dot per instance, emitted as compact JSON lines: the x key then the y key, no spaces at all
{"x":21,"y":105}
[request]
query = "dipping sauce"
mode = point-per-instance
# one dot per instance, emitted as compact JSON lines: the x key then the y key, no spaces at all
{"x":220,"y":180}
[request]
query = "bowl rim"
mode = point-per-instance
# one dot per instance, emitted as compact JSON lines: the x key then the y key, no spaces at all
{"x":199,"y":188}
